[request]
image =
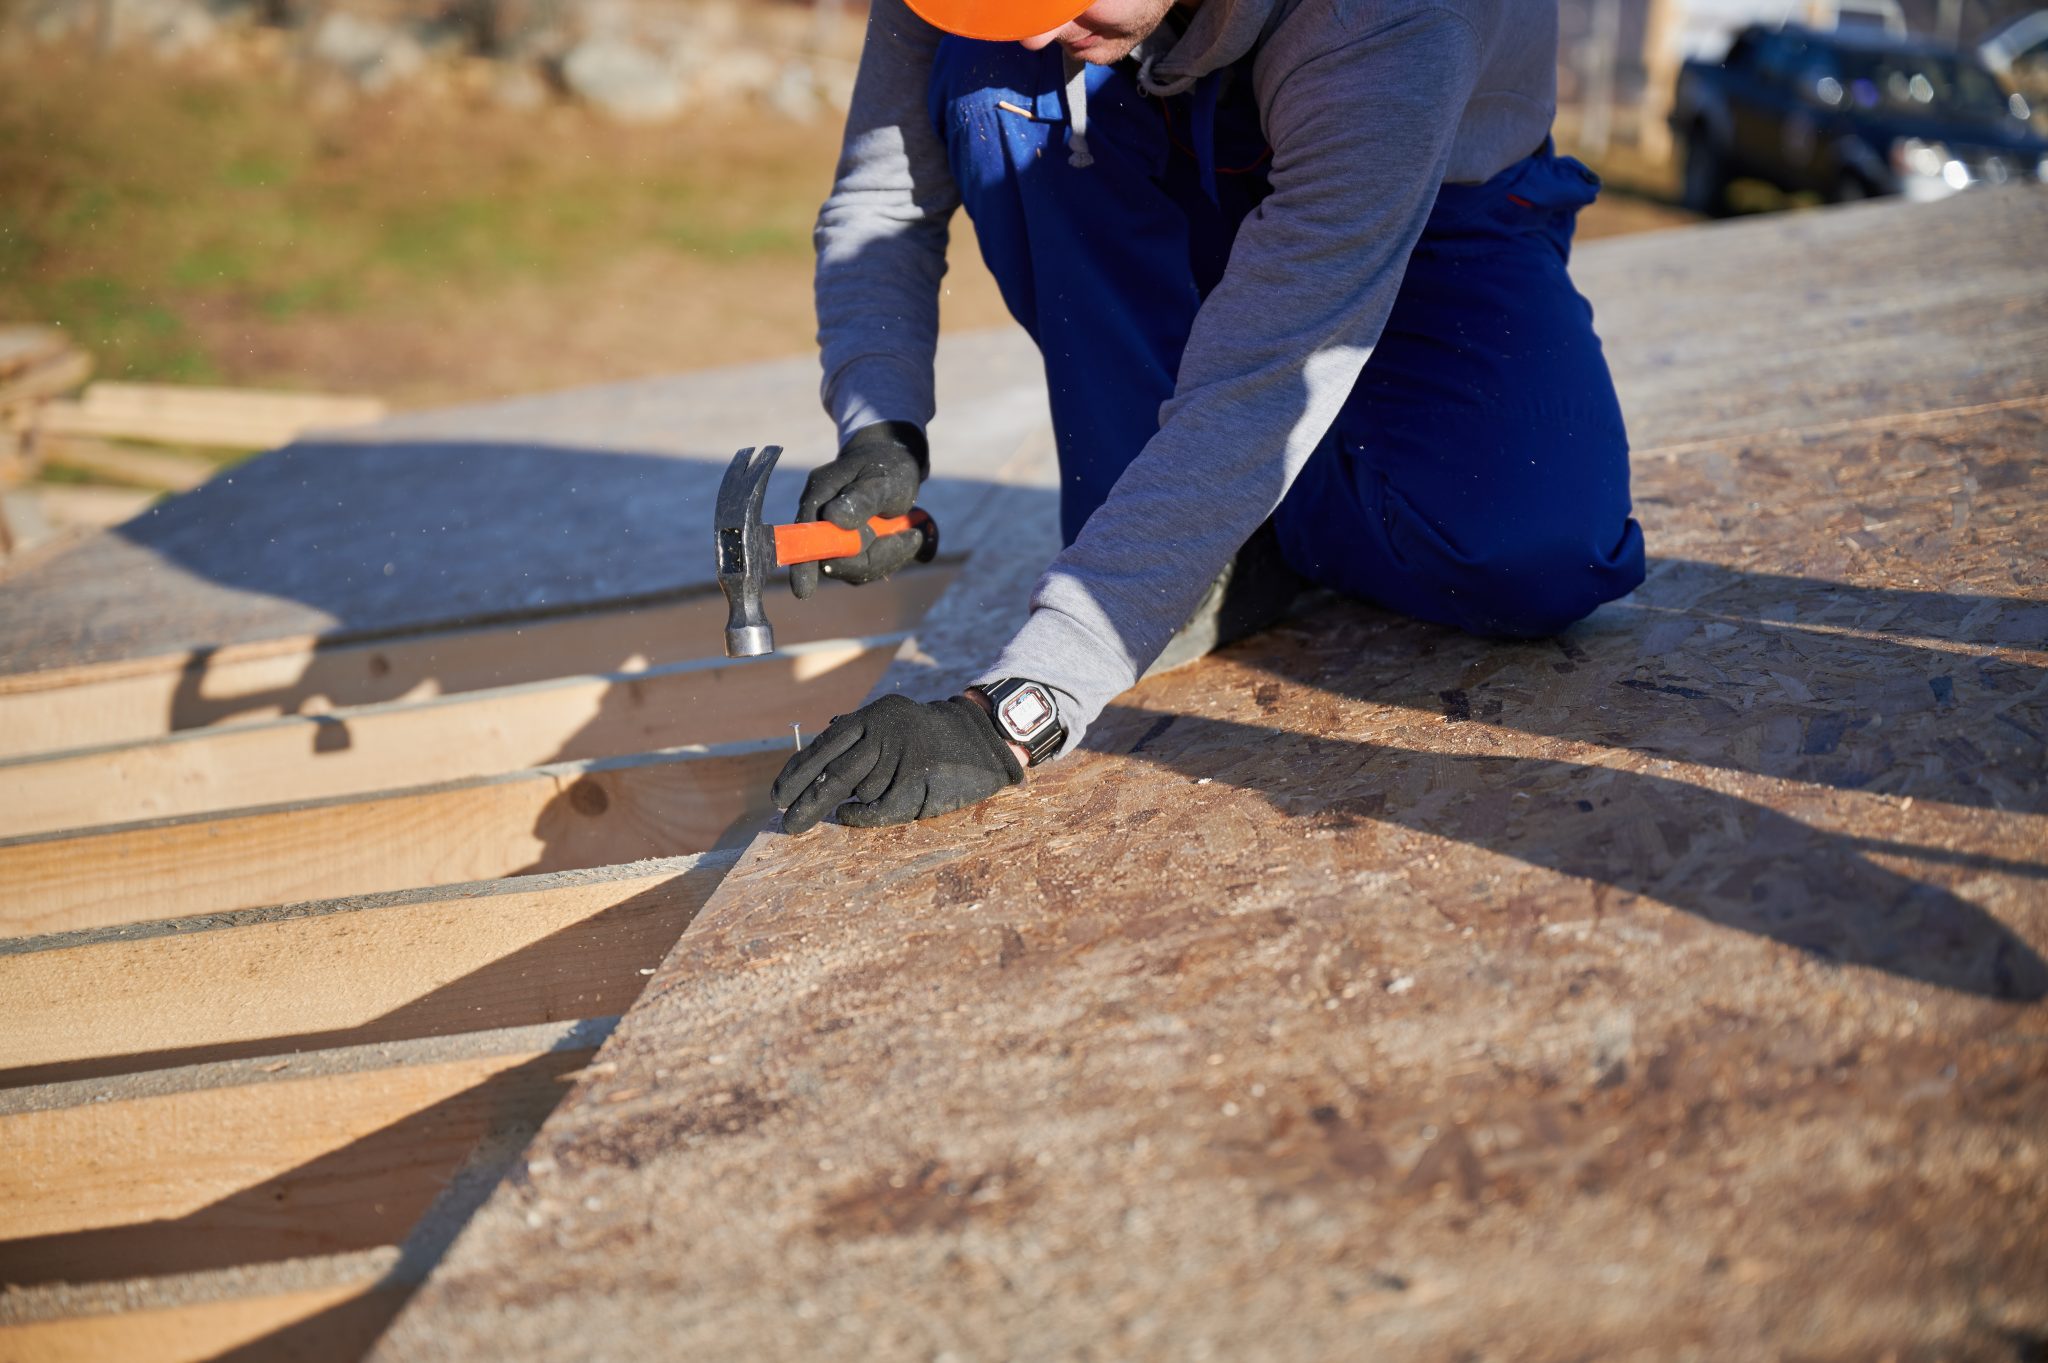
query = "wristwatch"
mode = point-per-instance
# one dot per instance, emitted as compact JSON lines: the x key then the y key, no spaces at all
{"x":1027,"y":715}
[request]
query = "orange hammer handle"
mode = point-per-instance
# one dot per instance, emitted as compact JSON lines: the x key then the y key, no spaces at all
{"x":815,"y":541}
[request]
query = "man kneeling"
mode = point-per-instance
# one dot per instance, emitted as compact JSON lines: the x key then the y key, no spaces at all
{"x":1297,"y":269}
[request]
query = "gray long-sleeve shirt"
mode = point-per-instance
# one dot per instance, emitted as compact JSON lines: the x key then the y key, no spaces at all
{"x":1369,"y":105}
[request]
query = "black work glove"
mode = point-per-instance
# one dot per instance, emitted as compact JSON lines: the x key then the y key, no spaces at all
{"x":877,"y":473}
{"x":896,"y":760}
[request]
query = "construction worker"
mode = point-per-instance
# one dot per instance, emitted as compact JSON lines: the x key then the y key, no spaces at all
{"x":1297,"y":269}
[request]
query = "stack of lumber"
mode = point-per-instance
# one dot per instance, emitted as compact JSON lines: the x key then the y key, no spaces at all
{"x":107,"y":433}
{"x":224,"y":418}
{"x":37,"y":365}
{"x":302,"y":935}
{"x":1671,"y":989}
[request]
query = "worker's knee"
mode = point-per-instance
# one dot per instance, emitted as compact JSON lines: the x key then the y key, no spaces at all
{"x":1481,"y":550}
{"x":1532,"y":580}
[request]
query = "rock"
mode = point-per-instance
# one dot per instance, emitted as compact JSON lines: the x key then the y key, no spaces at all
{"x":517,"y":86}
{"x":165,"y":28}
{"x":794,"y":94}
{"x":374,"y":56}
{"x":738,"y":74}
{"x":835,"y":84}
{"x":623,"y":80}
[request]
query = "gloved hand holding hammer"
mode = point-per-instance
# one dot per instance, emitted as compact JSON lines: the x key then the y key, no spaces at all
{"x":877,"y":473}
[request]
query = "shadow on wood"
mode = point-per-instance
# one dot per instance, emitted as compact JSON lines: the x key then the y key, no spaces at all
{"x":364,"y":1194}
{"x":343,"y":1331}
{"x":591,"y":968}
{"x":1730,"y":860}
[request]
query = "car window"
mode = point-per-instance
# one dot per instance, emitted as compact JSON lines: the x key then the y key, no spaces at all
{"x":1922,"y":82}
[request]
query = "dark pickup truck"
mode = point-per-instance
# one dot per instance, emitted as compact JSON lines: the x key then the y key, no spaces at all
{"x":1849,"y":114}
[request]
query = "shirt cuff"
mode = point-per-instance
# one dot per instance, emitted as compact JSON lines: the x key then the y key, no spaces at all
{"x":1056,"y":650}
{"x":879,"y":388}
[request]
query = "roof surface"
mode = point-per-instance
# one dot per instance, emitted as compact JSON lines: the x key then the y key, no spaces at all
{"x":1372,"y":990}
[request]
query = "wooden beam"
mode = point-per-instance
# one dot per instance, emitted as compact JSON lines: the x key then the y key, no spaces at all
{"x":36,"y":364}
{"x":225,"y":1165}
{"x":161,"y":469}
{"x":150,"y":697}
{"x":25,"y":346}
{"x":346,"y":972}
{"x":90,"y":508}
{"x":473,"y":734}
{"x":38,"y":370}
{"x":556,"y":818}
{"x":225,"y":417}
{"x":334,"y":1324}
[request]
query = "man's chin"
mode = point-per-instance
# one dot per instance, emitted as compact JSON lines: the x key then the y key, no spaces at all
{"x":1106,"y":51}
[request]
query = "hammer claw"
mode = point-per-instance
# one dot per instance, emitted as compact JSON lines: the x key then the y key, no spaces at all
{"x":745,"y":550}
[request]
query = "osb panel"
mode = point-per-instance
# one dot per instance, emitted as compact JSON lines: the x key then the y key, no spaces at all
{"x":1671,"y":988}
{"x":1799,"y":318}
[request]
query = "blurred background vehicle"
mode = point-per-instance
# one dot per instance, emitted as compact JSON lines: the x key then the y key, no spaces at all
{"x":2018,"y":53}
{"x":1849,"y":114}
{"x":1619,"y":60}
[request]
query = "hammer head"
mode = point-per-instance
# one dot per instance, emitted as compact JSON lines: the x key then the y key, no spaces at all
{"x":746,"y":551}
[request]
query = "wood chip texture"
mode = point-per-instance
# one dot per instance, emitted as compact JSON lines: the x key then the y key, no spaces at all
{"x":1670,"y":989}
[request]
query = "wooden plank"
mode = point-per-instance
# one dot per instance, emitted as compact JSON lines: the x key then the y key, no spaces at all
{"x":319,"y":1325}
{"x":90,"y":508}
{"x":307,"y":409}
{"x":223,"y":417}
{"x":557,"y":818}
{"x":29,"y":381}
{"x":23,"y":529}
{"x":140,"y":1183}
{"x":149,"y":468}
{"x":150,"y":697}
{"x":347,"y":972}
{"x":472,"y":734}
{"x":16,"y":468}
{"x":36,"y":364}
{"x":25,"y":345}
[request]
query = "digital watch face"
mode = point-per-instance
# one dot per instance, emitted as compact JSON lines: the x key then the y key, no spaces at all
{"x":1026,"y":712}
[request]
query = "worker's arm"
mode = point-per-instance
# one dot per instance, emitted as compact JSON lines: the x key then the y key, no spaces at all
{"x":881,"y":241}
{"x":1362,"y":134}
{"x":881,"y":235}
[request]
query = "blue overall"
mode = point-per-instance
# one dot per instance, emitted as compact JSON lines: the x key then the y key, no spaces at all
{"x":1478,"y":474}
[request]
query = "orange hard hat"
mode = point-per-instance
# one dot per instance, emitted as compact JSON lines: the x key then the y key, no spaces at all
{"x":998,"y":21}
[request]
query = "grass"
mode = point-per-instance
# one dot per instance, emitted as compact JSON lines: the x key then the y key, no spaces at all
{"x":233,"y":227}
{"x":147,"y":209}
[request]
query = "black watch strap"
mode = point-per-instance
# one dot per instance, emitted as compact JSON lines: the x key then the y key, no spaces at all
{"x":1028,"y":714}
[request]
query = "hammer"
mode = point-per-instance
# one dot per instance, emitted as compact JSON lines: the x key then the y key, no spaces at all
{"x":747,"y":548}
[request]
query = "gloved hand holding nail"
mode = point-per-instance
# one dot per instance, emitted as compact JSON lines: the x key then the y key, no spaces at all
{"x":896,"y":760}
